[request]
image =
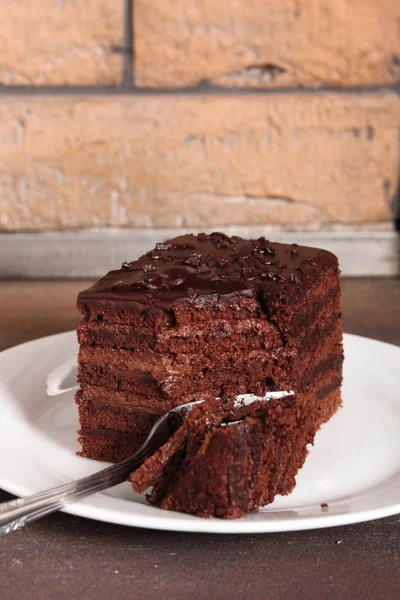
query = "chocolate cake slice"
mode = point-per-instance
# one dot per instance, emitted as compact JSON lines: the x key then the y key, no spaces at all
{"x":215,"y":468}
{"x":205,"y":316}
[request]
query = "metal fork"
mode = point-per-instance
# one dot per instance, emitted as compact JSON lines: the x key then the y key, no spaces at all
{"x":21,"y":511}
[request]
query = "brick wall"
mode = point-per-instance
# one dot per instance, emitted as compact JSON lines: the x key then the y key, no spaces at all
{"x":199,"y":113}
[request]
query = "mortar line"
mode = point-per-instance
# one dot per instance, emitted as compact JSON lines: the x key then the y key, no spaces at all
{"x":396,"y":204}
{"x":202,"y":89}
{"x":127,"y":75}
{"x":132,"y":33}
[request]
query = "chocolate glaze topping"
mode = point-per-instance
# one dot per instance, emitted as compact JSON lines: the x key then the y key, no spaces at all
{"x":190,"y":266}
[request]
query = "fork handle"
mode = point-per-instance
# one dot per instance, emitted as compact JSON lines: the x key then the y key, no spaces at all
{"x":17,"y":513}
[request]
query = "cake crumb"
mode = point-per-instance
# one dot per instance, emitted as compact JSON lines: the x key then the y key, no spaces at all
{"x":324,"y":506}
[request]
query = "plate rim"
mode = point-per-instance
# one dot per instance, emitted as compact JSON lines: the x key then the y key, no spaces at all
{"x":193,"y":524}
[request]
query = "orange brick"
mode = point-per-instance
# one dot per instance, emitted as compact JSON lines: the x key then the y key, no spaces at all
{"x":61,"y":42}
{"x":267,"y":43}
{"x":295,"y":161}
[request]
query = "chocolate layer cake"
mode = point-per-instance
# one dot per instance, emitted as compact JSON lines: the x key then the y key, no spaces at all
{"x":213,"y":469}
{"x":205,"y":316}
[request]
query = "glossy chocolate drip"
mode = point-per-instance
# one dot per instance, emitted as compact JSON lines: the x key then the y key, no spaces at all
{"x":190,"y":266}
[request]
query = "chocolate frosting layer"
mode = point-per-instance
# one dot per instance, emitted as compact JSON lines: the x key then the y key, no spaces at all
{"x":192,"y":266}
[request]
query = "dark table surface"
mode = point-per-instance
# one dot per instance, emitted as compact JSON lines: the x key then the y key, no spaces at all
{"x":68,"y":557}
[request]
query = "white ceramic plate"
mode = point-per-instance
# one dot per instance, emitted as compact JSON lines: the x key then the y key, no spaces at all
{"x":354,"y":466}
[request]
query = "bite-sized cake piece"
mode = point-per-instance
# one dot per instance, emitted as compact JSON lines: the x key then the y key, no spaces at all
{"x":205,"y":316}
{"x":210,"y":468}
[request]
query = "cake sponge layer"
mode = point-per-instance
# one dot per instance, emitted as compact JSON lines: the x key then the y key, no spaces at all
{"x":213,"y":469}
